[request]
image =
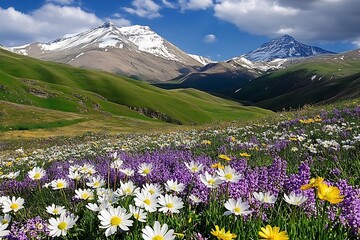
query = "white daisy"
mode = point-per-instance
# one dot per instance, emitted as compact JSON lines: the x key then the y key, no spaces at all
{"x":59,"y":184}
{"x":114,"y":218}
{"x":294,"y":199}
{"x":236,"y":207}
{"x":36,"y":173}
{"x":194,"y":167}
{"x":84,"y":194}
{"x":228,"y":174}
{"x":55,"y":209}
{"x":172,"y":185}
{"x":116,"y":164}
{"x":265,"y":197}
{"x":169,"y":203}
{"x":127,"y":189}
{"x":87,"y":169}
{"x":13,"y":204}
{"x":152,"y":188}
{"x":95,"y":182}
{"x":210,"y":181}
{"x":5,"y":219}
{"x":59,"y":226}
{"x":138,"y":213}
{"x":3,"y":231}
{"x":195,"y":199}
{"x":158,"y":232}
{"x":127,"y":171}
{"x":146,"y":200}
{"x":145,"y":169}
{"x":75,"y":175}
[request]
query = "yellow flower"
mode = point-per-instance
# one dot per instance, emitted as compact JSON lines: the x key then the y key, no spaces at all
{"x":272,"y":233}
{"x":224,"y":157}
{"x":244,"y":155}
{"x":218,"y":165}
{"x":293,"y":139}
{"x":222,"y":234}
{"x":206,"y":142}
{"x":314,"y":182}
{"x":329,"y":193}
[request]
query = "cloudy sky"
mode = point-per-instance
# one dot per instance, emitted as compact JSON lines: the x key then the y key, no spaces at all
{"x":219,"y":29}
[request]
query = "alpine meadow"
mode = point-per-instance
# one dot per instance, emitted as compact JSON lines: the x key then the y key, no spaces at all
{"x":182,"y":119}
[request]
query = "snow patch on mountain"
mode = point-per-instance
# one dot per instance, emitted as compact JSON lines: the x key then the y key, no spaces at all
{"x":203,"y":60}
{"x":258,"y":66}
{"x":148,"y":41}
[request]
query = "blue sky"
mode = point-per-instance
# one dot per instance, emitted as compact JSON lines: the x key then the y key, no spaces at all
{"x":219,"y":29}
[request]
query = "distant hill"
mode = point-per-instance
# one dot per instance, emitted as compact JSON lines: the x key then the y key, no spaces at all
{"x":52,"y":86}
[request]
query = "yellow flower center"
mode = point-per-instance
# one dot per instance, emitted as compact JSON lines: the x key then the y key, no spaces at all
{"x":96,"y":184}
{"x":211,"y":181}
{"x":14,"y":206}
{"x":194,"y":169}
{"x":146,"y":171}
{"x":85,"y":195}
{"x":59,"y":184}
{"x":56,"y":211}
{"x":151,"y":191}
{"x":128,"y":190}
{"x":115,"y":221}
{"x":62,"y":225}
{"x":158,"y":237}
{"x":228,"y":176}
{"x":136,"y":215}
{"x":37,"y":176}
{"x":4,"y":221}
{"x":147,"y":201}
{"x":237,"y":210}
{"x":169,"y":205}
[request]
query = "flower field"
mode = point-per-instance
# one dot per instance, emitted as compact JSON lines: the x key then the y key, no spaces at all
{"x":292,"y":179}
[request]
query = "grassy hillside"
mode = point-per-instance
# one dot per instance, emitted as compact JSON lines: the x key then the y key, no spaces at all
{"x":93,"y":94}
{"x":310,"y":82}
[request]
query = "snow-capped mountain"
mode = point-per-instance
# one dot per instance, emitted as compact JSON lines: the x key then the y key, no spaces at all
{"x":133,"y":38}
{"x":135,"y":51}
{"x":283,"y":47}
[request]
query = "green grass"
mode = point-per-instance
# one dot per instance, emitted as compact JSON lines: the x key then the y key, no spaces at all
{"x":59,"y":87}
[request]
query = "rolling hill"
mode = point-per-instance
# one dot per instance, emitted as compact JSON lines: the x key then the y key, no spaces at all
{"x":79,"y":95}
{"x":315,"y":80}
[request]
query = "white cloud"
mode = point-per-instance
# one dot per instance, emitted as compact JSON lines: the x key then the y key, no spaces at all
{"x":47,"y":23}
{"x":210,"y":38}
{"x":356,"y":43}
{"x":144,"y":8}
{"x":329,"y":20}
{"x":61,"y":2}
{"x":118,"y":20}
{"x":168,"y":4}
{"x":195,"y":4}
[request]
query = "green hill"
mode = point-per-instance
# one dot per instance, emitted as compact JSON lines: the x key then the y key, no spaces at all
{"x":93,"y":94}
{"x":318,"y":80}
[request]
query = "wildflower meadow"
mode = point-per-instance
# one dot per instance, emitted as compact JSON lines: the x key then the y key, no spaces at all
{"x":292,"y":179}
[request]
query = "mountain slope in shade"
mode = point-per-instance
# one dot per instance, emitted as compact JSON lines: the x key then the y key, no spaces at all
{"x":283,"y":47}
{"x":135,"y":51}
{"x":314,"y":80}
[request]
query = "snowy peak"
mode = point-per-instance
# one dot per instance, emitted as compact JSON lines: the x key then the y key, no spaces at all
{"x":107,"y":36}
{"x":283,"y":47}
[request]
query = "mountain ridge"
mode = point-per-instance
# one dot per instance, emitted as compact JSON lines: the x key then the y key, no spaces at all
{"x":283,"y":47}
